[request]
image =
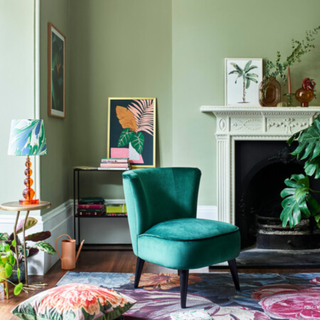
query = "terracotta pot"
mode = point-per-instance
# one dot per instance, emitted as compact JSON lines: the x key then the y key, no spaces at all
{"x":304,"y":97}
{"x":269,"y":92}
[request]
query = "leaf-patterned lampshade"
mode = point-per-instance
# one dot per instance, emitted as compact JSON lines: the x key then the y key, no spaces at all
{"x":27,"y":137}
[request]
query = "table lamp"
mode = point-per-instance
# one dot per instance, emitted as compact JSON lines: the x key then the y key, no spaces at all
{"x":27,"y":138}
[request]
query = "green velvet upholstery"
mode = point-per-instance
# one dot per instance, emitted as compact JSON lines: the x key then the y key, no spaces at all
{"x":162,"y":206}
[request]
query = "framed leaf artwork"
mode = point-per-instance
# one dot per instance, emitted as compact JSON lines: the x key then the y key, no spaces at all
{"x":56,"y":72}
{"x":243,"y":76}
{"x":131,"y":130}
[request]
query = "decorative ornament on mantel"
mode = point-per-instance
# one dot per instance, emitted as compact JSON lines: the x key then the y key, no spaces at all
{"x":306,"y":94}
{"x":270,"y":88}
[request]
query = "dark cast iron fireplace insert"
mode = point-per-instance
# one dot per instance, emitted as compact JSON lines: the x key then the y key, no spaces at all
{"x":260,"y":170}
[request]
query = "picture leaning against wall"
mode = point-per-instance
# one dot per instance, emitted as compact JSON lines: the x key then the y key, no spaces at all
{"x":242,"y":79}
{"x":56,"y":72}
{"x":131,"y":130}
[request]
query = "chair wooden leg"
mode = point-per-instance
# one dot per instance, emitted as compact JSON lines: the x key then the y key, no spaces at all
{"x":184,"y":275}
{"x":139,"y":268}
{"x":234,"y":273}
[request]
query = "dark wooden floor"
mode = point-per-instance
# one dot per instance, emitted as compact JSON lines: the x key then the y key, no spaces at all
{"x":102,"y":261}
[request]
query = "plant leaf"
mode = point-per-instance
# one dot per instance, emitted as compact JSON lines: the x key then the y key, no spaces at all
{"x":246,"y":67}
{"x":30,"y":223}
{"x":18,"y":288}
{"x":248,"y":83}
{"x":126,"y":118}
{"x":4,"y":236}
{"x":18,"y":273}
{"x":125,"y":137}
{"x":8,"y":270}
{"x":138,"y":141}
{"x":143,"y":111}
{"x":39,"y":236}
{"x":46,"y":247}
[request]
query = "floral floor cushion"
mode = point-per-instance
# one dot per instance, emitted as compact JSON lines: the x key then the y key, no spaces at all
{"x":74,"y":301}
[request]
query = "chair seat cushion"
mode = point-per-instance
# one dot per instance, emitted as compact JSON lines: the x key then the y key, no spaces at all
{"x":190,"y":229}
{"x":189,"y":243}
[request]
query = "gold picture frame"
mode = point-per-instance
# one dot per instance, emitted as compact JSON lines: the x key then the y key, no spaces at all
{"x":56,"y":72}
{"x":132,"y":130}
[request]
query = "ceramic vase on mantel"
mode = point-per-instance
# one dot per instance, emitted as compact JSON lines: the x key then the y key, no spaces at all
{"x":269,"y":92}
{"x":304,"y":97}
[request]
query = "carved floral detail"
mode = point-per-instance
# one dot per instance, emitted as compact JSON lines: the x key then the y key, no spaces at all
{"x":289,"y":124}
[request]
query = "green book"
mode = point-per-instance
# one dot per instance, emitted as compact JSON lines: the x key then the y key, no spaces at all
{"x":93,"y":200}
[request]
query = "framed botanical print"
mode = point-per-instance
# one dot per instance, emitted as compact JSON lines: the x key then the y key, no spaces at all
{"x":131,"y":130}
{"x":242,"y":79}
{"x":56,"y":72}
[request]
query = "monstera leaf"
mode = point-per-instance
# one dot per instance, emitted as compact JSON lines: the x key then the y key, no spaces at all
{"x":309,"y":148}
{"x":298,"y":201}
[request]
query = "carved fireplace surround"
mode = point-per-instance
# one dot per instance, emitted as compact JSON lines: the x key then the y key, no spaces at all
{"x":249,"y":123}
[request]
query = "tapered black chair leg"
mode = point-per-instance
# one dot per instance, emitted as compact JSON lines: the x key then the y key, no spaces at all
{"x":139,"y":268}
{"x":184,"y":275}
{"x":234,"y":273}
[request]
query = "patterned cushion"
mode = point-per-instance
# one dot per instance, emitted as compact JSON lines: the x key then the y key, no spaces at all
{"x":74,"y":301}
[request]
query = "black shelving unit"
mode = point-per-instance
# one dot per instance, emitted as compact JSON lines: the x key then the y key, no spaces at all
{"x":76,"y":197}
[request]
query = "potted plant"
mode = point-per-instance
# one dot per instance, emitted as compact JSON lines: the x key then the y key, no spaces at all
{"x":7,"y":262}
{"x":270,"y":87}
{"x":37,"y":240}
{"x":298,"y":197}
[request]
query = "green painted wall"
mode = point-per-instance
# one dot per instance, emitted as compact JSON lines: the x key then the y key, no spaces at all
{"x":173,"y":50}
{"x":119,"y":49}
{"x":204,"y":33}
{"x":55,"y":167}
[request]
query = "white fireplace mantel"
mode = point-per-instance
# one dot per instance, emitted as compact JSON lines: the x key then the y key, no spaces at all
{"x":249,"y":123}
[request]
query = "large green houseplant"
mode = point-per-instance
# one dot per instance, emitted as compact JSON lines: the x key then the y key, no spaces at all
{"x":298,"y":197}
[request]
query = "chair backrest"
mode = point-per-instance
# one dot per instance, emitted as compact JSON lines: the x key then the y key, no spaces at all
{"x":159,"y":194}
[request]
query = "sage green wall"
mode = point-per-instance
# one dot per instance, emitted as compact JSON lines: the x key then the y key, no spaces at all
{"x":204,"y":33}
{"x":55,"y":169}
{"x":119,"y":49}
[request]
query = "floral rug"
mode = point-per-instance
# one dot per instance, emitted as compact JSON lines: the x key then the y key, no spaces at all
{"x":262,"y":296}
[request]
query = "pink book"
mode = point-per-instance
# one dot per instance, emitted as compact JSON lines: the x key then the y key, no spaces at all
{"x":113,"y":165}
{"x":90,"y":206}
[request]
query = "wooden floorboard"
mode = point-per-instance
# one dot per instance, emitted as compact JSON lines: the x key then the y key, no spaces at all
{"x":105,"y":261}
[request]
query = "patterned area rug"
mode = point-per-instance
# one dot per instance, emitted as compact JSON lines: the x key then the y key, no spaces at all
{"x":262,"y":296}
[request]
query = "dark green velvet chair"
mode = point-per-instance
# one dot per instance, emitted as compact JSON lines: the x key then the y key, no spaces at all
{"x":162,"y":207}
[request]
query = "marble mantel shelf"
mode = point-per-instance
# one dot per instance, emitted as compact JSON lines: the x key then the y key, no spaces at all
{"x":236,"y":123}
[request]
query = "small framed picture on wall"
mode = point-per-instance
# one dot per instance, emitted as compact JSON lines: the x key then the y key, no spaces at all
{"x":131,"y":130}
{"x":242,"y":79}
{"x":56,"y":72}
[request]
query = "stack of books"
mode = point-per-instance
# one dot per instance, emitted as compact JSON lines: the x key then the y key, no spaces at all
{"x":115,"y":164}
{"x":116,"y":210}
{"x":92,"y":206}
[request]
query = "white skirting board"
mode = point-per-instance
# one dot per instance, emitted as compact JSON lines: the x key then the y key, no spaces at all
{"x":60,"y":221}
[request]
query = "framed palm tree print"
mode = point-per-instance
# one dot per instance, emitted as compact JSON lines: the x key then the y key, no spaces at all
{"x":242,"y":79}
{"x":131,"y":130}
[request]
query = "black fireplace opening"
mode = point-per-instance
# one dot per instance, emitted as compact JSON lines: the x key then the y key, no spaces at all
{"x":260,"y":170}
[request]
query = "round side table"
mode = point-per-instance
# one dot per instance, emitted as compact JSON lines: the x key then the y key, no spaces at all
{"x":15,"y":206}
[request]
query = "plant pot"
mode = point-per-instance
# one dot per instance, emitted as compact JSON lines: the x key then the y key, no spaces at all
{"x":304,"y":97}
{"x":13,"y":278}
{"x":269,"y":92}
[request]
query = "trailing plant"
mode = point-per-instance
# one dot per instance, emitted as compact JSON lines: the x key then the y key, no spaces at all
{"x":36,"y":238}
{"x":7,"y":262}
{"x":298,"y":197}
{"x":299,"y":48}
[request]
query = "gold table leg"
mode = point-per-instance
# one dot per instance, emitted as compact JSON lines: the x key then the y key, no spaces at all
{"x":15,"y":239}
